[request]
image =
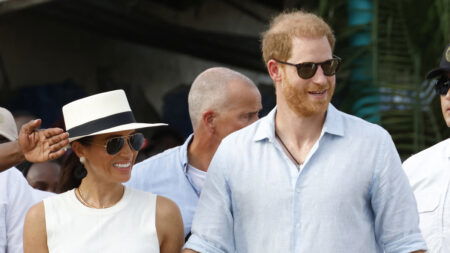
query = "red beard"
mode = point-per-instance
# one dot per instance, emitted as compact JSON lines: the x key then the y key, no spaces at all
{"x":300,"y":101}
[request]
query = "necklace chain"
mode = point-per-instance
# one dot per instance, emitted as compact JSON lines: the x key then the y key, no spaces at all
{"x":286,"y":148}
{"x":84,"y":202}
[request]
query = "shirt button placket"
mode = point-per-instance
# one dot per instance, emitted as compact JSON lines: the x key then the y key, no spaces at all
{"x":297,"y":217}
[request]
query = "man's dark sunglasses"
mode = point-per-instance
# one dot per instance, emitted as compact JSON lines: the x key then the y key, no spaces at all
{"x":442,"y":85}
{"x":115,"y":144}
{"x":307,"y":70}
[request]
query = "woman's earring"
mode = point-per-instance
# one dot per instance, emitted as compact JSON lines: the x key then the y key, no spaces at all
{"x":80,"y":172}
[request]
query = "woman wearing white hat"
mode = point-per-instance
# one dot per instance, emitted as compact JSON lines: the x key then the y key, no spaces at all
{"x":97,"y":213}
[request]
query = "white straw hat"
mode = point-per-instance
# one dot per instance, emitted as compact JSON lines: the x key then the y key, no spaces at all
{"x":102,"y":113}
{"x":8,"y":128}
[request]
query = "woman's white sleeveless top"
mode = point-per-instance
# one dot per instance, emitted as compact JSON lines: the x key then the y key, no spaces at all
{"x":128,"y":226}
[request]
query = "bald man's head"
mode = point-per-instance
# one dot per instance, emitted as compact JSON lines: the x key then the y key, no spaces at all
{"x":217,"y":89}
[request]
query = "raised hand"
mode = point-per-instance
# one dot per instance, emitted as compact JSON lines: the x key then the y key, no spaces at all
{"x":42,"y":145}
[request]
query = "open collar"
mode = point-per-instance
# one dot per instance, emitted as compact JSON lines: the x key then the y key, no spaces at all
{"x":183,"y":153}
{"x":334,"y":124}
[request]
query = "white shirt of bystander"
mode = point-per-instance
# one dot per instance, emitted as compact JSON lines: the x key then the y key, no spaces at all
{"x":197,"y":178}
{"x":429,"y":175}
{"x":16,"y":198}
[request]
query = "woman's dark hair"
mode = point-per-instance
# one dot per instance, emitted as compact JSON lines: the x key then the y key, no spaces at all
{"x":70,"y":165}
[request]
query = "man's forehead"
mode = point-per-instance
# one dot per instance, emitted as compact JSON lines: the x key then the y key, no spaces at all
{"x":311,"y":47}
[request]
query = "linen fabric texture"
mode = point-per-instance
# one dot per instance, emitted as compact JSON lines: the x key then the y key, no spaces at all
{"x":350,"y":195}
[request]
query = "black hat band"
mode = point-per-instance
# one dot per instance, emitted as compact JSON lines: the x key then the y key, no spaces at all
{"x":102,"y":124}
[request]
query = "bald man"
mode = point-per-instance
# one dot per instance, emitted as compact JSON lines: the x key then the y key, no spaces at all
{"x":220,"y":102}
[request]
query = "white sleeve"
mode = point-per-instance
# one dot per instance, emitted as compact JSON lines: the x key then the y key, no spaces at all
{"x":19,"y":200}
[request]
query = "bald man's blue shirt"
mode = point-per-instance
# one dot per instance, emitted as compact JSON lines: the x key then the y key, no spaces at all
{"x":350,"y":195}
{"x":165,"y":174}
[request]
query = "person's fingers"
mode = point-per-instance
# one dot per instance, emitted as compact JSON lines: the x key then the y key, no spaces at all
{"x":59,"y":145}
{"x":29,"y":127}
{"x":57,"y":138}
{"x":51,"y":132}
{"x":56,"y":155}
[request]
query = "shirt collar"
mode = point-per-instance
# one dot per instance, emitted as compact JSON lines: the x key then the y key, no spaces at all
{"x":334,"y":121}
{"x":334,"y":124}
{"x":266,"y":127}
{"x":184,"y":153}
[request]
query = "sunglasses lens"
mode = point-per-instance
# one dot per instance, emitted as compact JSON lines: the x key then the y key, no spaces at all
{"x":306,"y":70}
{"x":442,"y":87}
{"x":114,"y":145}
{"x":136,"y":141}
{"x":330,"y":67}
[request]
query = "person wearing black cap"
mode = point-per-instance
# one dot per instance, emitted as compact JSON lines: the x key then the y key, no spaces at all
{"x":429,"y":173}
{"x":97,"y":213}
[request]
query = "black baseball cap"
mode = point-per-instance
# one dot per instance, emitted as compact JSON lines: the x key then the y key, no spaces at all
{"x":444,"y":65}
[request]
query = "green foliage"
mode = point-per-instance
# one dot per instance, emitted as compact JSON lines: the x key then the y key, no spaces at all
{"x":407,"y":41}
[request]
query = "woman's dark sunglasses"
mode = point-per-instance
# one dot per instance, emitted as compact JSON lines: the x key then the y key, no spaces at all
{"x":307,"y":70}
{"x":442,"y":86}
{"x":115,"y":144}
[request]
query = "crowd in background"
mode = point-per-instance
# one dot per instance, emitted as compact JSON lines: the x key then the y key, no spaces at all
{"x":305,"y":178}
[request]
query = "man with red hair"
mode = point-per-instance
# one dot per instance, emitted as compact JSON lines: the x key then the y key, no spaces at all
{"x":307,"y":177}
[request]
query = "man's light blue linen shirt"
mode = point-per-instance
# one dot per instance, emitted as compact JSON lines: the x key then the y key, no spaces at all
{"x":165,"y":174}
{"x":350,"y":195}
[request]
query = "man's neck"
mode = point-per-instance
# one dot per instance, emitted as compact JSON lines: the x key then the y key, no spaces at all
{"x":300,"y":127}
{"x":298,"y":134}
{"x":201,"y":150}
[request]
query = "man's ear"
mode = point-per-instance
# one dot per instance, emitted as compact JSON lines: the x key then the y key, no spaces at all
{"x":274,"y":70}
{"x":208,"y":118}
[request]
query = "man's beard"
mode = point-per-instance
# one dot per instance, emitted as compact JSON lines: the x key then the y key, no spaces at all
{"x":299,"y":102}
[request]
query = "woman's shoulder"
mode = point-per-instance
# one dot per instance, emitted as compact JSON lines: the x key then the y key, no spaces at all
{"x":140,"y":199}
{"x":59,"y":203}
{"x":140,"y":193}
{"x":58,"y":197}
{"x":37,"y":210}
{"x":163,"y":204}
{"x":166,"y":206}
{"x":36,"y":215}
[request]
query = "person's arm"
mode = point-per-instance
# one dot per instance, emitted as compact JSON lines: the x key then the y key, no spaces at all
{"x":213,"y":224}
{"x":10,"y":155}
{"x":34,"y":231}
{"x":169,"y":226}
{"x":33,"y":145}
{"x":393,"y":203}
